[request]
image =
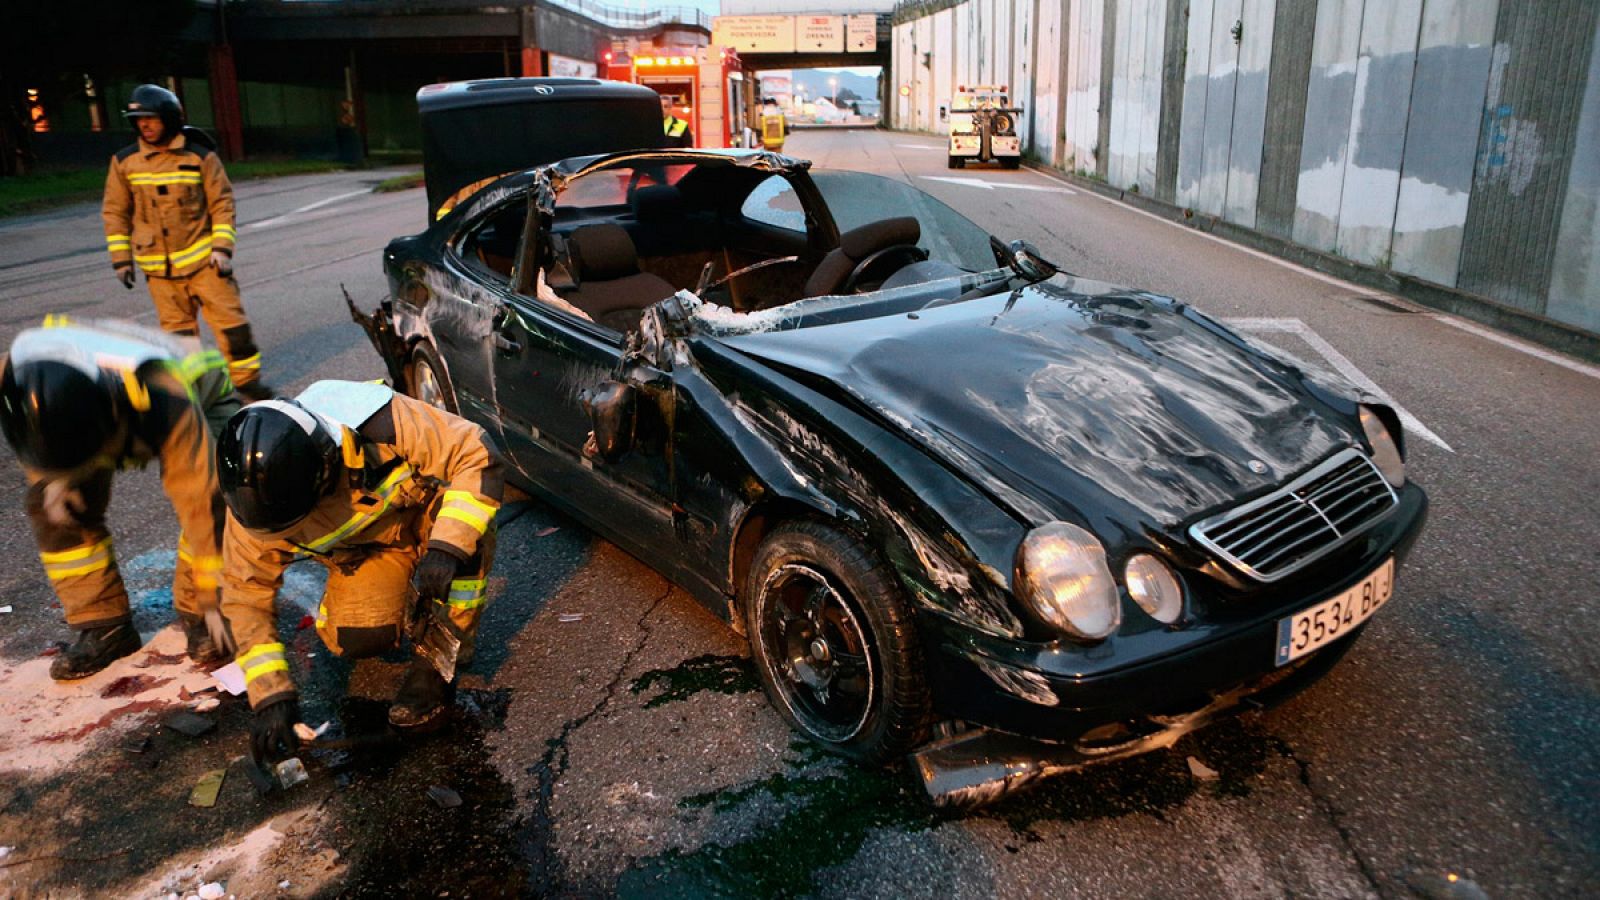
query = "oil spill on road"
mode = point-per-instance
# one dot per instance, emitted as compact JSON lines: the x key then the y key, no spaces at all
{"x":830,"y":808}
{"x":722,"y":674}
{"x":400,"y":842}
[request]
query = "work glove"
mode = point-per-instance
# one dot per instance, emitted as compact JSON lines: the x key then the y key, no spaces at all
{"x":221,"y":634}
{"x":63,"y":504}
{"x":222,"y":262}
{"x":272,"y":737}
{"x":125,"y":275}
{"x":433,"y":575}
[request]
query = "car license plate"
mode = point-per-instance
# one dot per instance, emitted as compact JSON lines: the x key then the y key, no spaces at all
{"x":1333,"y":618}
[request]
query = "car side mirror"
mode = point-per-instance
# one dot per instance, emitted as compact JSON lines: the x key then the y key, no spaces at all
{"x":1024,"y":259}
{"x":612,"y":410}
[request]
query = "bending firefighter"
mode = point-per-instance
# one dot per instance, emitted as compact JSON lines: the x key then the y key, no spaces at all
{"x":81,"y":401}
{"x":169,"y":210}
{"x":396,"y":498}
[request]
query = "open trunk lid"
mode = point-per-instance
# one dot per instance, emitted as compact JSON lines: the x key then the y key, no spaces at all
{"x":475,"y":131}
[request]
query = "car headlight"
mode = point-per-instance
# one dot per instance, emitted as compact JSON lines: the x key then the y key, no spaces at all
{"x":1152,"y":585}
{"x":1385,"y":452}
{"x":1062,"y":575}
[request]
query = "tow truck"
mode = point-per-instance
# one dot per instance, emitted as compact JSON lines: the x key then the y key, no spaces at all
{"x":983,"y":127}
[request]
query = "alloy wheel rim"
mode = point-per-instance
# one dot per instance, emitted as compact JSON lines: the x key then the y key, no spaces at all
{"x":818,"y":653}
{"x":428,"y":389}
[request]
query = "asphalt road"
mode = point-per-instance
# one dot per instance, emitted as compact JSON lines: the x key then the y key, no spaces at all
{"x":612,"y":740}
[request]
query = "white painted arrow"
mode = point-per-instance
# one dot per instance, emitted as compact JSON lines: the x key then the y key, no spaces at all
{"x":991,"y":185}
{"x":1341,"y":363}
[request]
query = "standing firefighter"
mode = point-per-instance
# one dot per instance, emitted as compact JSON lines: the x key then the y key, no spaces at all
{"x":395,"y":497}
{"x":78,"y":402}
{"x":675,"y":130}
{"x":169,"y":210}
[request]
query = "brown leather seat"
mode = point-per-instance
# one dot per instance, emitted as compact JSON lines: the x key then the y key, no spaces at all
{"x":856,"y":245}
{"x":611,"y":289}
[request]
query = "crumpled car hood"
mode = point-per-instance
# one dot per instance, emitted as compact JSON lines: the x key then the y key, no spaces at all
{"x":1072,"y":396}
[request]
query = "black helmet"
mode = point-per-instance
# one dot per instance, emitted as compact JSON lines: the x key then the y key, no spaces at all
{"x":55,"y":414}
{"x":275,"y":460}
{"x":155,"y":100}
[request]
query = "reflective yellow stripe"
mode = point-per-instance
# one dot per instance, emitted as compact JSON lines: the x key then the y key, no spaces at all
{"x":466,"y":593}
{"x":362,"y":519}
{"x":443,"y":211}
{"x":256,"y":671}
{"x":192,"y":253}
{"x":463,"y":507}
{"x":57,"y":320}
{"x":164,"y":178}
{"x":261,"y":651}
{"x":118,"y":242}
{"x":249,"y":362}
{"x":224,"y":231}
{"x":206,"y":570}
{"x":76,"y":553}
{"x":194,"y":366}
{"x":77,"y":561}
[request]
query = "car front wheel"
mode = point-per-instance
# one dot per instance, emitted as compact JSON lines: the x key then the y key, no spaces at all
{"x":834,"y":643}
{"x":428,"y":381}
{"x":956,"y":162}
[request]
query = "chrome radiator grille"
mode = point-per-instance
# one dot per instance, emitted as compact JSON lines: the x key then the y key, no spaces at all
{"x":1274,"y":535}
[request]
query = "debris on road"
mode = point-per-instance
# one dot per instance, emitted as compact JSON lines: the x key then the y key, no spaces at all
{"x":5,"y":609}
{"x":444,"y":797}
{"x":206,"y":789}
{"x":291,"y":772}
{"x":135,"y":743}
{"x":230,"y":677}
{"x":1447,"y":886}
{"x":546,"y":532}
{"x":6,"y":851}
{"x":188,"y":723}
{"x":206,"y":704}
{"x":571,"y":617}
{"x":212,"y":891}
{"x":307,"y":734}
{"x":1201,"y":771}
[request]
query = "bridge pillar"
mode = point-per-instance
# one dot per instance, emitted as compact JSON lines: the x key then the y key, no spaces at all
{"x":532,"y":56}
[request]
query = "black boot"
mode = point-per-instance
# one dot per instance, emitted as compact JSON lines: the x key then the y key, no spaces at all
{"x":94,"y":649}
{"x":423,"y":699}
{"x":255,"y":392}
{"x":201,"y":648}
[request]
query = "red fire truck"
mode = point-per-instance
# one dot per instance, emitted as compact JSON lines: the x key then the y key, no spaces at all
{"x":708,"y":87}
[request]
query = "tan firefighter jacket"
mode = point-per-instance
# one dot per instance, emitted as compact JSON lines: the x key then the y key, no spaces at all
{"x":180,"y":395}
{"x":402,"y":459}
{"x":166,"y":208}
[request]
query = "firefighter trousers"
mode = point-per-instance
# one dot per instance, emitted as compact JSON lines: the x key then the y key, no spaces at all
{"x":215,"y":298}
{"x":81,"y":564}
{"x":366,"y":607}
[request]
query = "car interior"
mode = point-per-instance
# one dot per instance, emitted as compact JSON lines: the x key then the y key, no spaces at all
{"x":626,"y":238}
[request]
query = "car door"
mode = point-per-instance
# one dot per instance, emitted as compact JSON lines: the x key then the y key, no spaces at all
{"x":544,"y":357}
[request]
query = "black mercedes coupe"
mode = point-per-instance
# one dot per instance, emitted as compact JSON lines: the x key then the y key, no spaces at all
{"x":966,"y":507}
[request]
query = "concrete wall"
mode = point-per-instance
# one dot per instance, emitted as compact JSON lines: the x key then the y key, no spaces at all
{"x":1457,"y":141}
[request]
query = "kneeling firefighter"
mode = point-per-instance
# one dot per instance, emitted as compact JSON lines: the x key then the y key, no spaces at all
{"x":81,"y":401}
{"x":395,"y":497}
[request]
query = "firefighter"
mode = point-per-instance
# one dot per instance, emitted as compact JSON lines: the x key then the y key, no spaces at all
{"x":395,"y":497}
{"x":169,"y":210}
{"x":676,"y":129}
{"x":774,"y":126}
{"x":80,"y":401}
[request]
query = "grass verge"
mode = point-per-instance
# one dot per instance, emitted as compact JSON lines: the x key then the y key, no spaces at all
{"x":399,"y":183}
{"x":43,"y":190}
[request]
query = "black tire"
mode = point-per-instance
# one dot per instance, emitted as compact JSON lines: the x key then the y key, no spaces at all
{"x":851,"y":676}
{"x":427,"y":380}
{"x":1011,"y":162}
{"x":957,"y":162}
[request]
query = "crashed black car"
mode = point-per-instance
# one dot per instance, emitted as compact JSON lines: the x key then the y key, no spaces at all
{"x":964,"y":506}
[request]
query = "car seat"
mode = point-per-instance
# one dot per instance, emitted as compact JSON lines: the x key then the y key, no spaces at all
{"x":855,"y":246}
{"x":610,"y":288}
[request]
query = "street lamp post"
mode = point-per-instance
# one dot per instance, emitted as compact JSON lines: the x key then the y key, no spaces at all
{"x":834,"y":84}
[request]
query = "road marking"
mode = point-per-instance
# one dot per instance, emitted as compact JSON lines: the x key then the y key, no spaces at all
{"x":1342,"y":364}
{"x":991,"y":185}
{"x":1444,"y":318}
{"x":918,"y":147}
{"x":281,"y":219}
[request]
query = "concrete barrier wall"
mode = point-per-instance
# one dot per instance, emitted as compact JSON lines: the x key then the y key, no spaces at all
{"x":1454,"y":140}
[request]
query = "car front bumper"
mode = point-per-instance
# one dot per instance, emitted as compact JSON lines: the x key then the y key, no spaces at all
{"x":1094,"y":698}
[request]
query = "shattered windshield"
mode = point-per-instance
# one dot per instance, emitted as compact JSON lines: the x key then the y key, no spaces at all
{"x":856,"y":199}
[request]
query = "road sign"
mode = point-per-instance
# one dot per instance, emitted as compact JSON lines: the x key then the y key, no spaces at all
{"x":819,"y":34}
{"x":861,"y":33}
{"x":754,"y":34}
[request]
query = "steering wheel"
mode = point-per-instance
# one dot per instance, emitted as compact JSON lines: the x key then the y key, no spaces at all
{"x":901,"y":254}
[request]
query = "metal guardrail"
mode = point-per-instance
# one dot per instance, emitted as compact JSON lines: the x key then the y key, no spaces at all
{"x":623,"y":17}
{"x":602,"y":13}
